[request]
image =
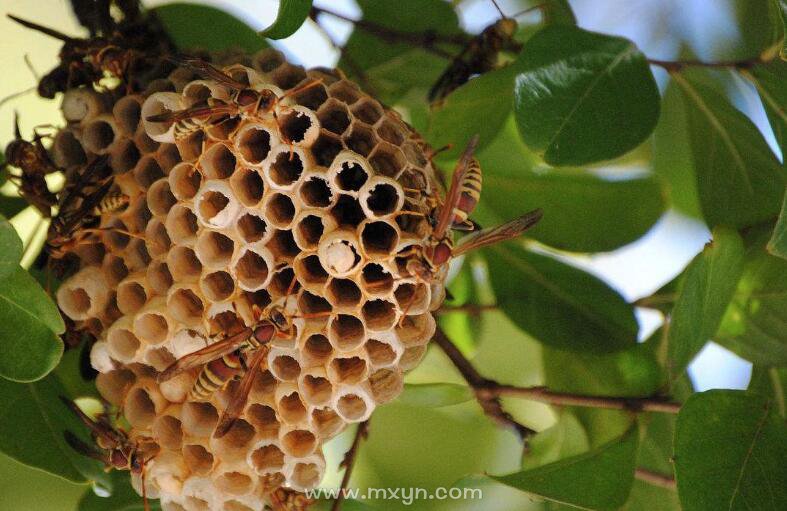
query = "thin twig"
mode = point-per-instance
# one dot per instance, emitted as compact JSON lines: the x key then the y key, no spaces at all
{"x":490,"y":404}
{"x":677,"y":65}
{"x":470,"y":308}
{"x":655,"y":479}
{"x":348,"y":463}
{"x":544,"y":395}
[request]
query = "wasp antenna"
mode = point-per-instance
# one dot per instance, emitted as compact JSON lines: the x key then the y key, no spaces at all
{"x":17,"y":132}
{"x":498,"y":8}
{"x":44,"y":30}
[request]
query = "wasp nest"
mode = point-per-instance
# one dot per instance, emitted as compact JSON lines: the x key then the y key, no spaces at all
{"x":326,"y":189}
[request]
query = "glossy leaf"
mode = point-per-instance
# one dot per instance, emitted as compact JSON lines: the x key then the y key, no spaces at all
{"x":462,"y":327}
{"x":739,"y":180}
{"x":455,"y":121}
{"x":730,"y":453}
{"x":123,"y":497}
{"x":200,"y":26}
{"x":434,"y":395}
{"x":10,"y":248}
{"x":771,"y":383}
{"x":582,"y":212}
{"x":598,"y":479}
{"x":778,"y":243}
{"x":29,"y":328}
{"x":565,"y":439}
{"x":706,"y":290}
{"x":558,"y":12}
{"x":32,"y":422}
{"x":557,"y":304}
{"x":583,"y":97}
{"x":754,"y":326}
{"x":10,"y":206}
{"x":292,"y":14}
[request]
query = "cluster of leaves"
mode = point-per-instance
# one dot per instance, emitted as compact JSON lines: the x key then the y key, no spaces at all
{"x":568,"y":102}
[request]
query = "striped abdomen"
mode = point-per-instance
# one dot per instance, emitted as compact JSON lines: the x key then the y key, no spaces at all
{"x":215,"y":374}
{"x":185,"y":127}
{"x":111,"y":203}
{"x":469,"y":194}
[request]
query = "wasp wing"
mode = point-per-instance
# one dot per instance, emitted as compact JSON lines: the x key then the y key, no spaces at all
{"x":208,"y":70}
{"x":86,"y":450}
{"x":201,"y":357}
{"x":499,"y":233}
{"x":197,"y":112}
{"x":238,"y":401}
{"x":454,"y":192}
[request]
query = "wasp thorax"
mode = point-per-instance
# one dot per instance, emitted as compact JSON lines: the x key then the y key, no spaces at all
{"x":299,"y":201}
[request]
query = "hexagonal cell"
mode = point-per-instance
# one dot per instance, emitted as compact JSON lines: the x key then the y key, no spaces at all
{"x":387,"y":160}
{"x":380,"y":353}
{"x":223,"y":129}
{"x":283,"y":245}
{"x":317,"y":389}
{"x":184,"y":181}
{"x":412,"y":297}
{"x":386,"y":384}
{"x":326,"y":421}
{"x":199,"y":419}
{"x":167,"y":156}
{"x":379,"y":238}
{"x":144,"y":143}
{"x":252,"y":227}
{"x":376,"y":280}
{"x":99,"y":134}
{"x":252,"y":269}
{"x":334,"y":117}
{"x":214,"y":249}
{"x":299,"y":442}
{"x":217,"y":286}
{"x":383,"y":198}
{"x":198,"y":459}
{"x":347,"y":211}
{"x":287,"y":76}
{"x":315,"y":192}
{"x":310,"y":271}
{"x":127,"y":113}
{"x":349,"y":370}
{"x":367,"y":110}
{"x":185,"y":306}
{"x":254,"y":144}
{"x":317,"y":350}
{"x":390,"y":132}
{"x":344,"y":293}
{"x":147,"y":172}
{"x":379,"y":314}
{"x":183,"y":263}
{"x":295,"y":124}
{"x":354,"y":407}
{"x":312,"y":305}
{"x":218,"y":162}
{"x":312,"y":97}
{"x":360,"y":139}
{"x":267,"y":458}
{"x":351,"y":176}
{"x":234,"y":483}
{"x":124,"y":156}
{"x":159,"y":277}
{"x":131,"y":296}
{"x":190,"y":147}
{"x":248,"y":186}
{"x":346,"y":332}
{"x":308,"y":231}
{"x":67,"y":151}
{"x":160,"y":198}
{"x":325,"y":148}
{"x":181,"y":224}
{"x":285,"y":169}
{"x":280,"y":210}
{"x":264,"y":419}
{"x":344,"y":91}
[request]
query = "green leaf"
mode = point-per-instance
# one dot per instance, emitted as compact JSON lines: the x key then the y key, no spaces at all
{"x":778,"y":242}
{"x":771,"y":383}
{"x":26,"y":308}
{"x":292,"y":14}
{"x":739,"y":180}
{"x":579,"y":208}
{"x":123,"y":497}
{"x":582,"y":97}
{"x":10,"y":206}
{"x":730,"y":453}
{"x":754,"y":325}
{"x":557,"y":304}
{"x":565,"y":439}
{"x":69,"y":372}
{"x":704,"y":293}
{"x":558,"y":12}
{"x":434,"y":395}
{"x":598,"y":479}
{"x":193,"y":26}
{"x":32,"y":422}
{"x":461,"y":327}
{"x":629,"y":373}
{"x":10,"y":248}
{"x":455,"y":121}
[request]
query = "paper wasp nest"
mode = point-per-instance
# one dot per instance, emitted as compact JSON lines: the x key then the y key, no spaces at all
{"x":223,"y":221}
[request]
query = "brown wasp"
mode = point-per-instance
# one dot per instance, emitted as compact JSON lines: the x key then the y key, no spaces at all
{"x":35,"y":163}
{"x":83,"y":61}
{"x":459,"y":203}
{"x":113,"y":447}
{"x":79,"y":210}
{"x":287,"y":499}
{"x":479,"y":56}
{"x":244,"y":101}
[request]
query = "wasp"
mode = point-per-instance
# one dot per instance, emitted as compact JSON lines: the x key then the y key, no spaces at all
{"x":113,"y":447}
{"x":78,"y":211}
{"x":480,"y":55}
{"x":35,"y":163}
{"x":286,"y":499}
{"x":459,"y":203}
{"x":244,"y":101}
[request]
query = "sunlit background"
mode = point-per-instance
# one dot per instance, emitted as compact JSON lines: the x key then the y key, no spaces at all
{"x":661,"y":28}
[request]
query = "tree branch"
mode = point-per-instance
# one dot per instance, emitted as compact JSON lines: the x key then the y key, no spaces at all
{"x":544,"y":395}
{"x":655,"y":479}
{"x":677,"y":65}
{"x":490,"y":404}
{"x":348,"y":463}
